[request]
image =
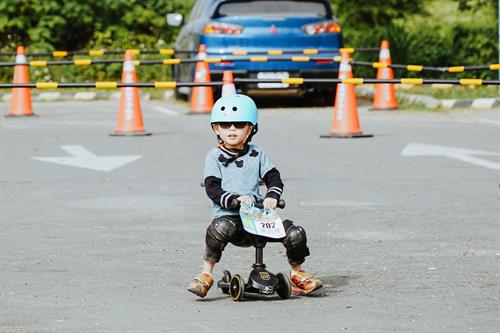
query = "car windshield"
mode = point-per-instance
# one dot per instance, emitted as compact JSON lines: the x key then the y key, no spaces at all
{"x":272,"y":8}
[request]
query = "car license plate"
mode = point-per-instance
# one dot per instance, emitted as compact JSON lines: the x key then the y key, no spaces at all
{"x":272,"y":75}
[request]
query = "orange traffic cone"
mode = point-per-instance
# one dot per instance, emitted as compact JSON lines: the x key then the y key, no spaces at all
{"x":21,"y":97}
{"x":228,"y":87}
{"x":385,"y":94}
{"x":129,"y":120}
{"x":345,"y":122}
{"x":202,"y":99}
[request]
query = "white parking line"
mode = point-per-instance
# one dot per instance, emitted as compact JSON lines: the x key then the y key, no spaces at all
{"x":166,"y":111}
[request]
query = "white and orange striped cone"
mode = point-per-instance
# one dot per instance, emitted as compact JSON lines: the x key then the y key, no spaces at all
{"x":20,"y":106}
{"x":228,"y":87}
{"x":129,"y":120}
{"x":202,"y":98}
{"x":345,"y":122}
{"x":385,"y":93}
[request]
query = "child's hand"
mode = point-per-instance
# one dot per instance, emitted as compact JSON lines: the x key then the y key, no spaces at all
{"x":270,"y":203}
{"x":244,"y":199}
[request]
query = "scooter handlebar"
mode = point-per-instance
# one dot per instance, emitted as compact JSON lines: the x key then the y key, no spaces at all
{"x":235,"y":204}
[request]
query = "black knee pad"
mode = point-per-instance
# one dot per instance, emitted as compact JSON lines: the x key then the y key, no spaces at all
{"x":296,"y":243}
{"x":295,"y":236}
{"x":220,"y":232}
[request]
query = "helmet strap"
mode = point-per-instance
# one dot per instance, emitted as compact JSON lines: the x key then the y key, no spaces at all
{"x":254,"y":131}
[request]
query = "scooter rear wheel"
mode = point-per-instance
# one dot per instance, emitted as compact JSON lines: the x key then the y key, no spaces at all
{"x":284,"y":289}
{"x":236,"y":288}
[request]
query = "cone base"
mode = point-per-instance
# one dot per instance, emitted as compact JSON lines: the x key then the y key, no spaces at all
{"x":20,"y":115}
{"x":137,"y":133}
{"x":199,"y":112}
{"x":345,"y":135}
{"x":383,"y":109}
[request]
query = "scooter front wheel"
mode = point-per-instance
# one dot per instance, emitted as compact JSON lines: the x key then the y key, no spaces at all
{"x":236,"y":288}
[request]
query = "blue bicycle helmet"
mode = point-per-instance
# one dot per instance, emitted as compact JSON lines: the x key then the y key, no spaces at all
{"x":234,"y":108}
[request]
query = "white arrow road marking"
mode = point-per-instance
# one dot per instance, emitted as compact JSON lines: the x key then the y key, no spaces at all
{"x":82,"y":158}
{"x":420,"y":149}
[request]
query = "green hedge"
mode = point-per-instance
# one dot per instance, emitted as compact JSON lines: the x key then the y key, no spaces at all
{"x":466,"y":44}
{"x":83,"y":25}
{"x":119,"y":24}
{"x":451,"y":33}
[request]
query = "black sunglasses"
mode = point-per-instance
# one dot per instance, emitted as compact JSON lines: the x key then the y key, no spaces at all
{"x":238,"y":125}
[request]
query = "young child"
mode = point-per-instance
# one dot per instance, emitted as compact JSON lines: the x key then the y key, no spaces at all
{"x":233,"y":171}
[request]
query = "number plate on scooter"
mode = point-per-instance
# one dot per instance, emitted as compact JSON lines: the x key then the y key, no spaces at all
{"x":261,"y":222}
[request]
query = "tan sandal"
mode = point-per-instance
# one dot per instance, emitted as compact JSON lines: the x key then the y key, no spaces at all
{"x":200,"y":285}
{"x":303,"y":282}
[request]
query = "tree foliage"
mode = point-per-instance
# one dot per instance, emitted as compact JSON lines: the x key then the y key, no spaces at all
{"x":75,"y":24}
{"x":367,"y":22}
{"x":476,"y":4}
{"x":119,"y":24}
{"x":48,"y":25}
{"x":366,"y":14}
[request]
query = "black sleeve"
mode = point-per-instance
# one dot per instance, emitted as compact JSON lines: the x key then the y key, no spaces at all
{"x":217,"y":194}
{"x":274,"y":184}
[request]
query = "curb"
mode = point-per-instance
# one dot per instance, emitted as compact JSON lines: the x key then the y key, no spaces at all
{"x":434,"y":103}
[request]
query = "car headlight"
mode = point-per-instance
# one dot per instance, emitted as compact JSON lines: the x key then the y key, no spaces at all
{"x":324,"y":27}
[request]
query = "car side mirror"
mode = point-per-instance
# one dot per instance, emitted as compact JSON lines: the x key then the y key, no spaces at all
{"x":174,"y":19}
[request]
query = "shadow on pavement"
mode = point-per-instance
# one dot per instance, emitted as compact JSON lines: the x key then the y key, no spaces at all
{"x":332,"y":284}
{"x":291,"y":101}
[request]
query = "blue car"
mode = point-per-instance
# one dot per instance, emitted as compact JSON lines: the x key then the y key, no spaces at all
{"x":257,"y":26}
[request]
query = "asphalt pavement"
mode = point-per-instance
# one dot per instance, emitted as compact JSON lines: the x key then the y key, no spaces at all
{"x":101,"y":233}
